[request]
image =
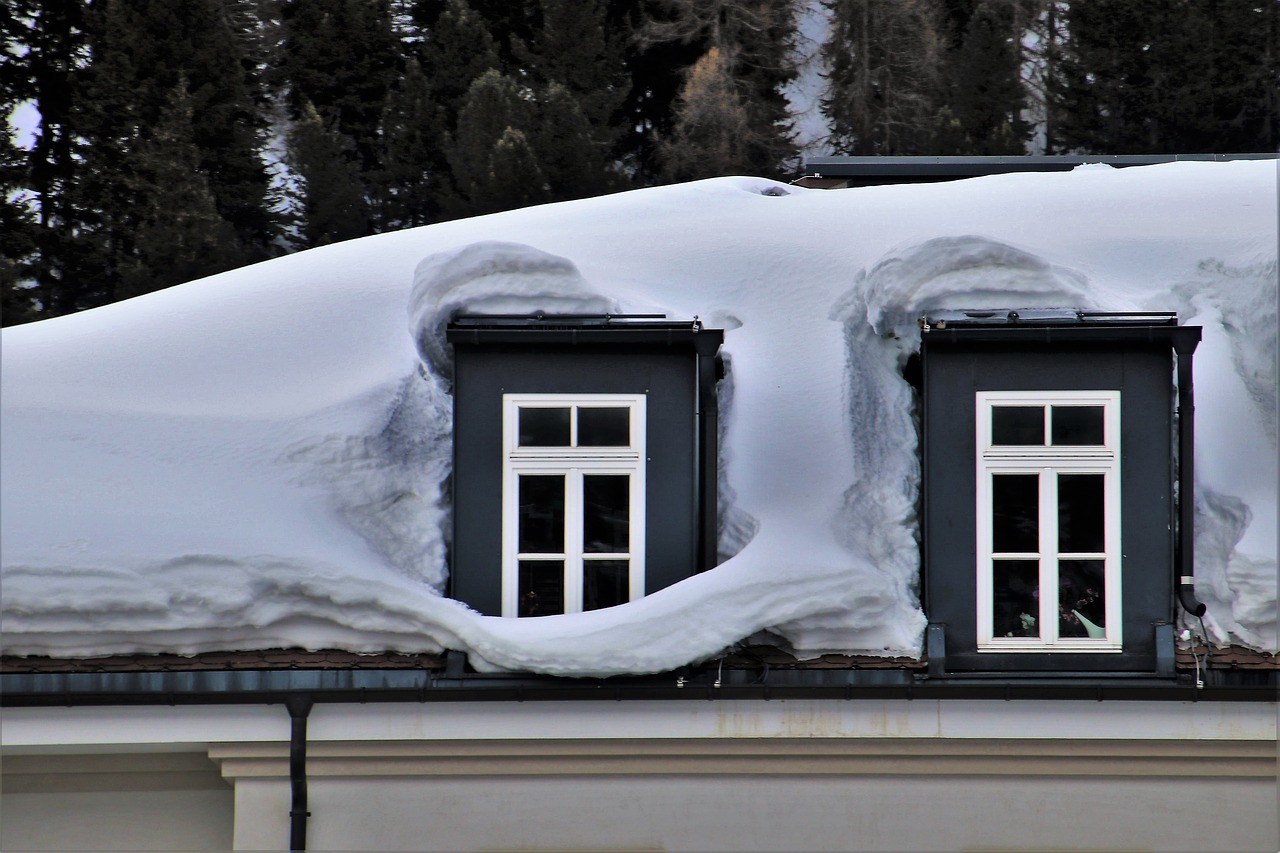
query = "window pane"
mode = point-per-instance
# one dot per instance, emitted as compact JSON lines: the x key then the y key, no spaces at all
{"x":1016,"y":590}
{"x":541,"y":527}
{"x":605,"y":583}
{"x":1076,"y":424}
{"x":1081,"y":606}
{"x":541,"y":587}
{"x":544,"y":427}
{"x":606,"y":500}
{"x":604,"y":427}
{"x":1017,"y":425}
{"x":1015,"y":513}
{"x":1081,"y":520}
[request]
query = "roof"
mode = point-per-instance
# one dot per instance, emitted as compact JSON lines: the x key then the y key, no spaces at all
{"x":843,"y":171}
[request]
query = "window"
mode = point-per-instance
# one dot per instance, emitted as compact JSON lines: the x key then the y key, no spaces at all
{"x":573,"y":502}
{"x":1048,"y":521}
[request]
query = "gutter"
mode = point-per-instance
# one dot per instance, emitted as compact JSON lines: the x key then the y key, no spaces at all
{"x":266,"y":687}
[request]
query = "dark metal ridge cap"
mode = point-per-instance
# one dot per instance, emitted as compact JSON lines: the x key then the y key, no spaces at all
{"x":364,"y":686}
{"x":1182,"y":338}
{"x":942,"y":318}
{"x":705,"y":341}
{"x":960,"y":166}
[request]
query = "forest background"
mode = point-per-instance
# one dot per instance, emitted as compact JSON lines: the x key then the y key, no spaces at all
{"x":180,"y":139}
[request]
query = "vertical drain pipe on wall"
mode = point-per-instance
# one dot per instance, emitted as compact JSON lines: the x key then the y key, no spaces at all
{"x":299,"y":706}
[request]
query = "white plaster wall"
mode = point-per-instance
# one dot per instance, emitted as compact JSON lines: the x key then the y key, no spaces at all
{"x":793,"y":813}
{"x":262,"y":815}
{"x":117,"y":820}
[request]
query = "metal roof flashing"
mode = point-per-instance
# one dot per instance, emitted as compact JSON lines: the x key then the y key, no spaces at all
{"x":599,"y":329}
{"x":1058,"y":326}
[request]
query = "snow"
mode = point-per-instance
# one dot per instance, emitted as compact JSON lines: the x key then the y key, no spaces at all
{"x":257,"y":459}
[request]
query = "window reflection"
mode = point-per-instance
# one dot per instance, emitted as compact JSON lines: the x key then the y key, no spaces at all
{"x":1081,"y":603}
{"x":543,"y":427}
{"x":541,"y":514}
{"x":605,"y":583}
{"x":1016,"y":592}
{"x":1081,"y":513}
{"x":1015,"y":510}
{"x":1077,"y":425}
{"x":600,"y":426}
{"x":541,"y":587}
{"x":1017,"y":425}
{"x":606,"y":513}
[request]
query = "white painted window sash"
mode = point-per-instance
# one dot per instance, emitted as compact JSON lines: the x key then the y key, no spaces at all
{"x":1048,"y":462}
{"x":573,"y":463}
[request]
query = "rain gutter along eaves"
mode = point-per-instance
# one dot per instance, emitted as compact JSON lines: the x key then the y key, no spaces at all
{"x":369,"y":686}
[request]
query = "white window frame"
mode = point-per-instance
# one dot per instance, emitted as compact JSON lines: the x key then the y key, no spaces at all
{"x":573,"y":462}
{"x":1048,"y":461}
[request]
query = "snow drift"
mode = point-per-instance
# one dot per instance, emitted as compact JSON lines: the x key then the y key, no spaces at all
{"x":261,"y":458}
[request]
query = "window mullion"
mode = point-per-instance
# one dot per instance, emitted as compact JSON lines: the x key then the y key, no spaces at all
{"x":1049,"y":555}
{"x":573,"y":534}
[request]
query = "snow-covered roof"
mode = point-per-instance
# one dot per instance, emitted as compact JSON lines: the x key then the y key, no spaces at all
{"x":256,"y":459}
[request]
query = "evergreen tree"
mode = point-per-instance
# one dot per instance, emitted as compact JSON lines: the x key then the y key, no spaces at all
{"x":494,"y":105}
{"x":457,"y":50}
{"x":883,"y":75}
{"x":412,"y":186}
{"x":140,"y":49}
{"x":657,"y":69}
{"x":1153,"y":76}
{"x":712,"y":125}
{"x":332,"y":201}
{"x":116,"y":75}
{"x":341,"y":57}
{"x":984,"y":95}
{"x":180,"y":235}
{"x":19,"y":297}
{"x":44,"y":42}
{"x":574,"y":48}
{"x":573,"y":162}
{"x":514,"y":178}
{"x":753,"y":47}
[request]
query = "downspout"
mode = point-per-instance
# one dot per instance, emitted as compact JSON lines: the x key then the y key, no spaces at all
{"x":698,"y":467}
{"x":299,"y":706}
{"x":1185,"y":346}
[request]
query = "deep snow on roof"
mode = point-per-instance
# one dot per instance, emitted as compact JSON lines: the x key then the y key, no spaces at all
{"x":256,"y":459}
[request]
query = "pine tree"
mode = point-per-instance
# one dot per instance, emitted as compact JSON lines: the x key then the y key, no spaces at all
{"x":712,"y":125}
{"x":514,"y":178}
{"x":657,"y":69}
{"x":494,"y":105}
{"x":1148,"y":76}
{"x":574,"y":48}
{"x":43,"y":41}
{"x":146,"y":45}
{"x":412,"y":186}
{"x":341,"y":57}
{"x":457,"y":50}
{"x":103,"y":76}
{"x":180,"y":233}
{"x":332,"y":200}
{"x":984,"y":95}
{"x":573,"y":162}
{"x":19,"y":297}
{"x":883,"y":75}
{"x":753,"y":44}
